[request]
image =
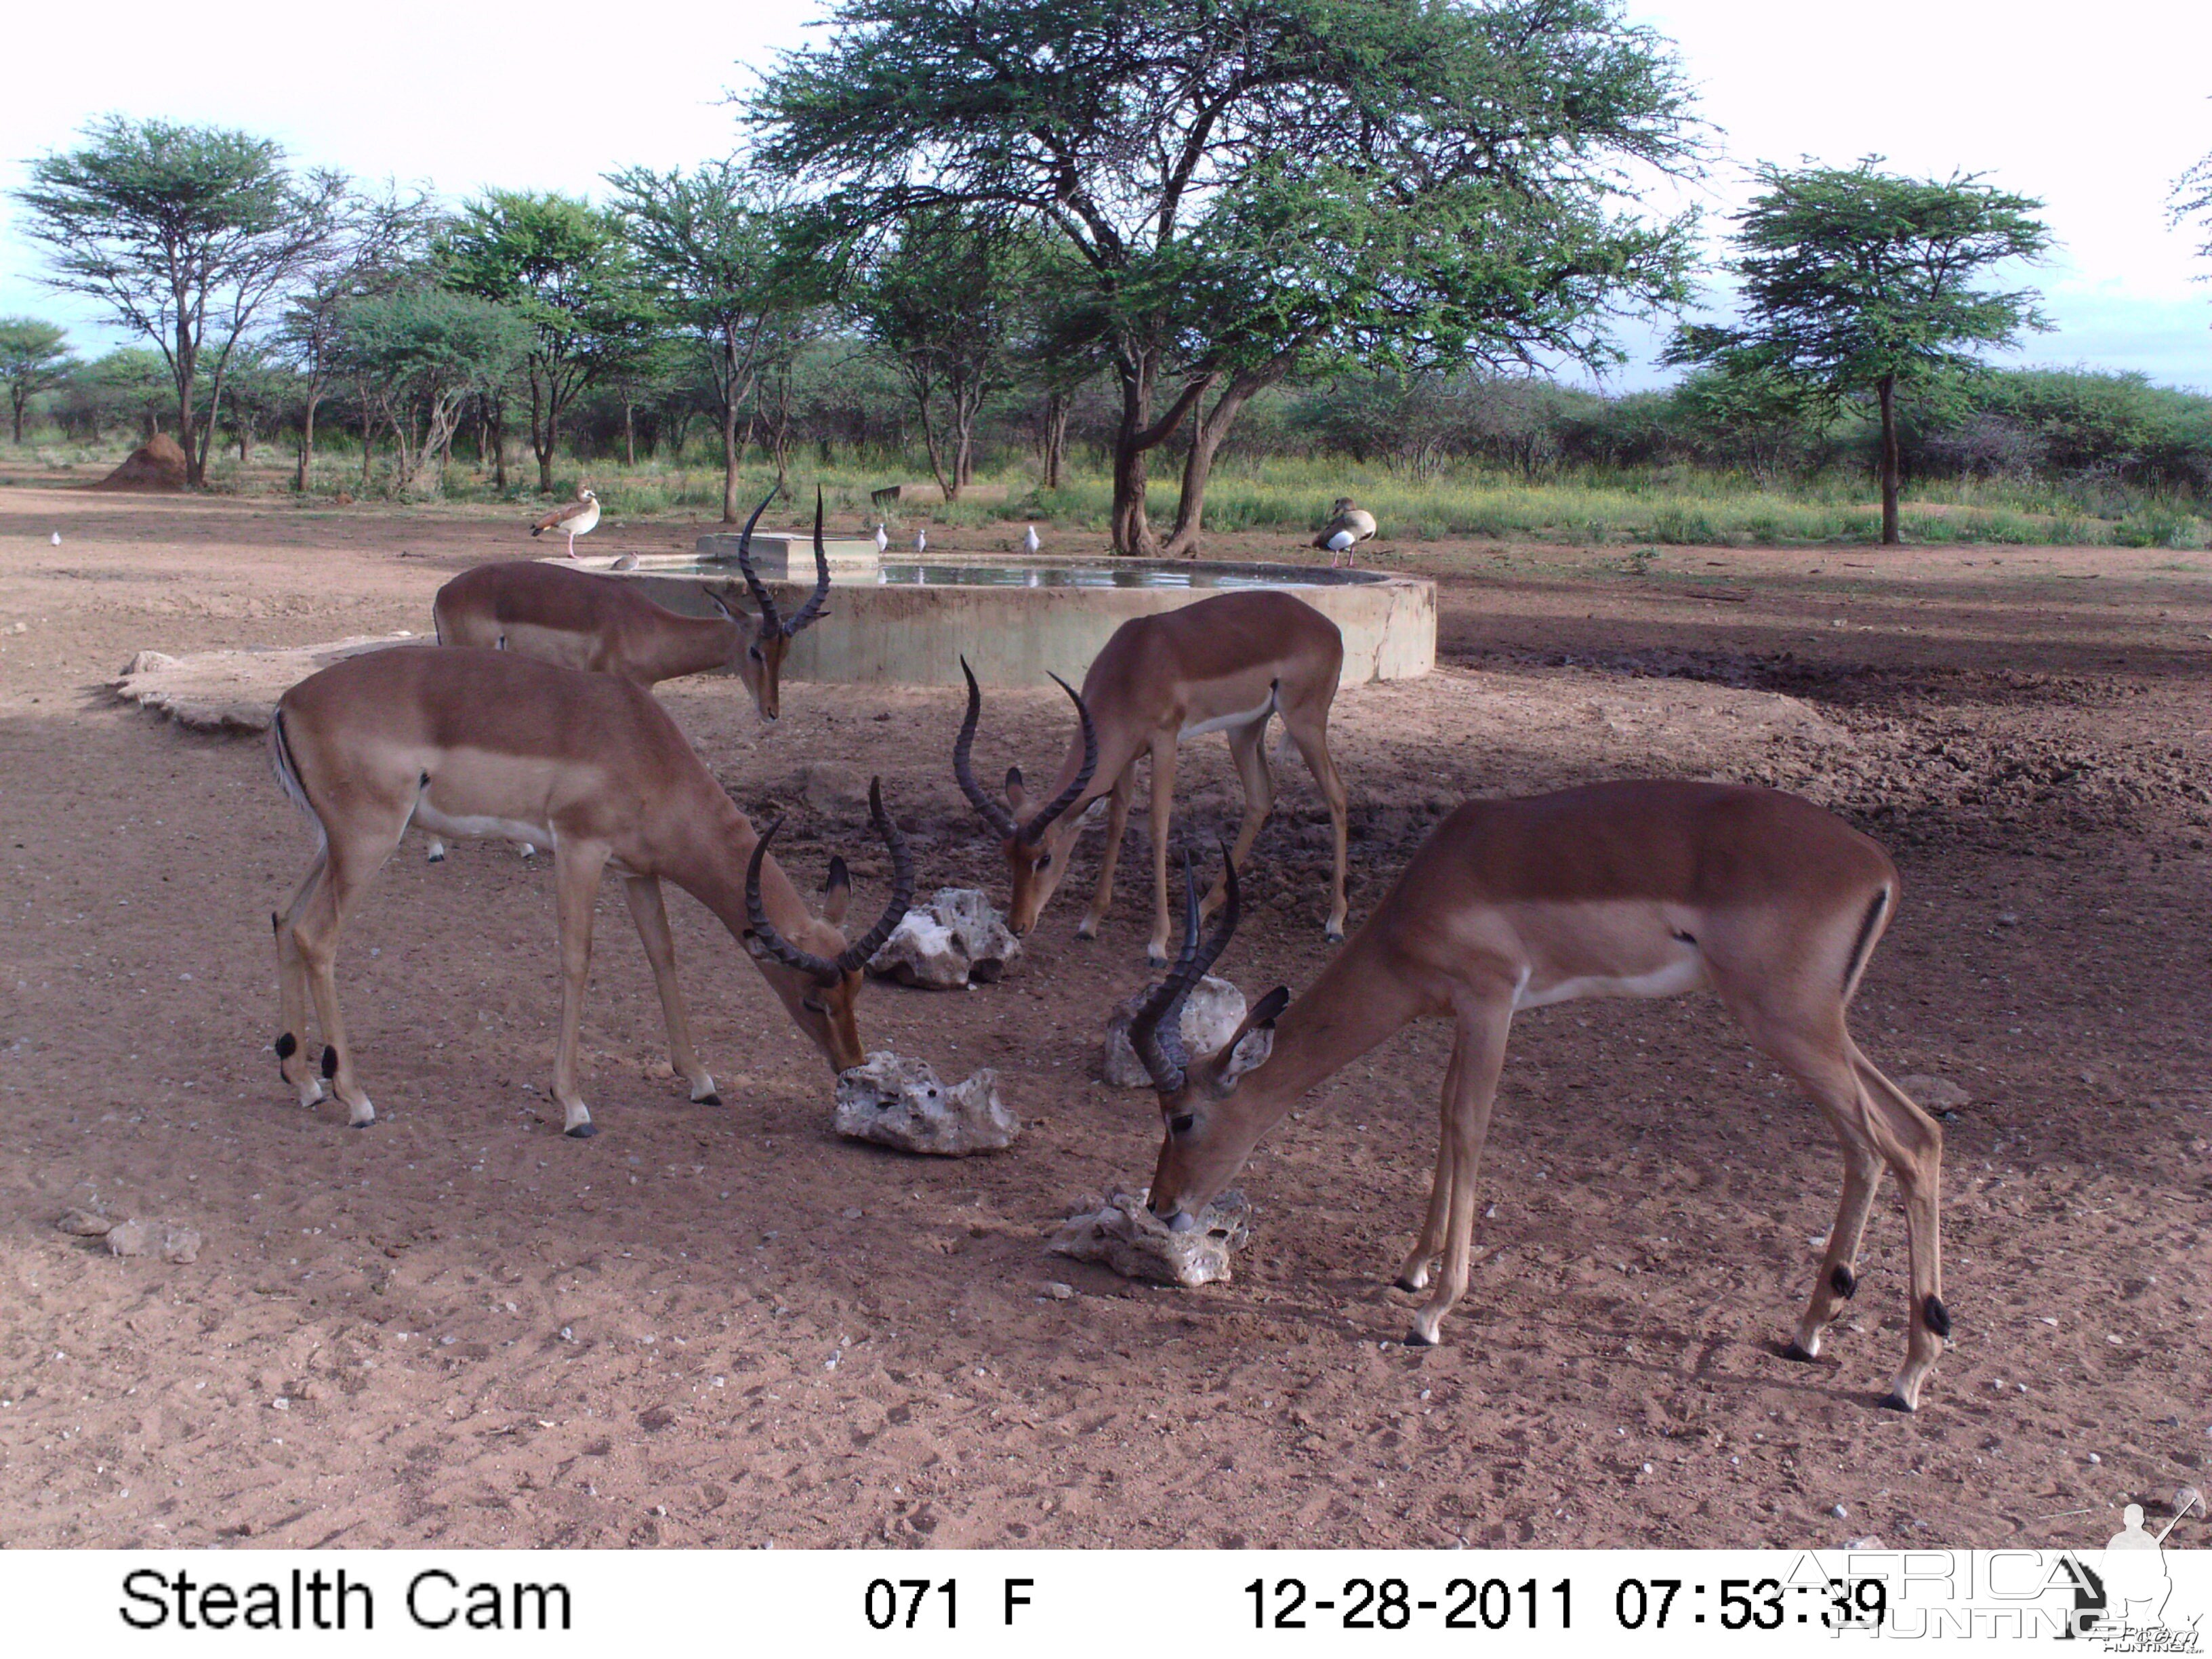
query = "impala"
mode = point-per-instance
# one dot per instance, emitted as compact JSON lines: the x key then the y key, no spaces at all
{"x":1639,"y":888}
{"x":1228,"y":664}
{"x":579,"y":619}
{"x":488,"y":742}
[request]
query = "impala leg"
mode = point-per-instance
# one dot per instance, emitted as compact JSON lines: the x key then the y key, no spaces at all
{"x":1482,"y":1024}
{"x":576,"y":870}
{"x":315,"y":928}
{"x":1117,"y":821}
{"x":291,"y":1045}
{"x":1164,"y":775}
{"x":1413,"y":1271}
{"x":1248,"y":747}
{"x":1308,"y":729}
{"x":1838,"y":1277}
{"x":651,"y":916}
{"x":1912,"y":1143}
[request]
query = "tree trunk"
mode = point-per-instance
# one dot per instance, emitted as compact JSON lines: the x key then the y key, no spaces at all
{"x":306,"y":440}
{"x":495,"y":428}
{"x":630,"y":431}
{"x":541,"y":434}
{"x":1887,"y":388}
{"x":1134,"y":441}
{"x":18,"y":399}
{"x":948,"y":488}
{"x":1055,"y":437}
{"x":1211,"y":427}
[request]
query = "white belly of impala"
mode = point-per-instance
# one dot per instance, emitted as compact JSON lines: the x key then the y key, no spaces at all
{"x":1686,"y":974}
{"x":450,"y":823}
{"x":1226,"y":722}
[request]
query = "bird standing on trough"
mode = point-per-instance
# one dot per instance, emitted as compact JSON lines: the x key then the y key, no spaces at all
{"x":1348,"y":525}
{"x":579,"y":518}
{"x":883,"y":539}
{"x":1030,"y":539}
{"x":922,"y":541}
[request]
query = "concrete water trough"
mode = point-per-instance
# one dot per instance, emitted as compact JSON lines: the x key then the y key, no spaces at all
{"x":907,"y":621}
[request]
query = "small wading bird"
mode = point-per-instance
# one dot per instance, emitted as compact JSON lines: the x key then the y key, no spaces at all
{"x":1030,"y":539}
{"x":883,"y":538}
{"x":1637,"y":889}
{"x":579,"y":518}
{"x":1347,"y":527}
{"x":922,"y":541}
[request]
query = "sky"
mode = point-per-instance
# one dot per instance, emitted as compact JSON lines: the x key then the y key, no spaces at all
{"x":2095,"y":110}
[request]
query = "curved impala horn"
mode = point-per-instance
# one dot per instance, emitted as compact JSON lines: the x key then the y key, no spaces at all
{"x":771,"y":621}
{"x":962,"y":769}
{"x":1033,"y":831}
{"x":821,"y":967}
{"x":856,"y":955}
{"x":813,"y":608}
{"x":1161,"y":1052}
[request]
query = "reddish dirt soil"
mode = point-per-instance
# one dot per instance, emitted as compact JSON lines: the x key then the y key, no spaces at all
{"x":723,"y":1326}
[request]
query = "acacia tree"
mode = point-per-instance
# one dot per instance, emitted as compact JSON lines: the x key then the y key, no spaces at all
{"x":376,"y":241}
{"x":563,"y":266}
{"x":418,"y":354}
{"x":947,"y":299}
{"x":34,"y":357}
{"x":1857,"y":283}
{"x":179,"y":230}
{"x":708,"y":245}
{"x":2192,"y":199}
{"x":1254,"y":187}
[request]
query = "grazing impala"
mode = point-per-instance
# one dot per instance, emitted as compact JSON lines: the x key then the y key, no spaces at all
{"x":486,"y":742}
{"x":1641,"y":889}
{"x":1226,"y":664}
{"x":602,"y":624}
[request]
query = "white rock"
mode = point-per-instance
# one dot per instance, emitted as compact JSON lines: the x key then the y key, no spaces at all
{"x":955,"y":940}
{"x":129,"y":1238}
{"x":900,"y":1103}
{"x":1121,"y":1232}
{"x":84,"y":1223}
{"x":1210,"y":1017}
{"x":181,"y":1244}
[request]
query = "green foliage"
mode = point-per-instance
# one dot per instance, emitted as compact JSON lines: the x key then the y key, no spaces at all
{"x":34,"y":357}
{"x":176,"y":229}
{"x":417,"y":353}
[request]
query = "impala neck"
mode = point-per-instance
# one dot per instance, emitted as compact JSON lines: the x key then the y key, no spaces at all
{"x":694,"y":645}
{"x":1364,"y":995}
{"x":710,"y":866}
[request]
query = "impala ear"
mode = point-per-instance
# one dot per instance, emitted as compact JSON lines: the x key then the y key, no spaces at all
{"x":837,"y":892}
{"x":1017,"y":796}
{"x":1255,"y":1038}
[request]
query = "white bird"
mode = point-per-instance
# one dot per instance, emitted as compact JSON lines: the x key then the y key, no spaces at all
{"x":578,"y":519}
{"x":627,"y":561}
{"x":882,"y":540}
{"x":1030,"y":539}
{"x":922,"y":541}
{"x":57,"y":538}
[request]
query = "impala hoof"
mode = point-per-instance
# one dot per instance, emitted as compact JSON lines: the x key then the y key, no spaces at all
{"x":1407,"y":1283}
{"x":1798,"y":1351}
{"x":1333,"y":935}
{"x":1086,"y":929}
{"x":710,"y":1098}
{"x":582,"y":1132}
{"x":1155,"y":958}
{"x":1895,"y":1401}
{"x":1417,"y":1338}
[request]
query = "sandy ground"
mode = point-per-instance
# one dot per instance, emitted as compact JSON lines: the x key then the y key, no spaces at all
{"x":724,"y":1326}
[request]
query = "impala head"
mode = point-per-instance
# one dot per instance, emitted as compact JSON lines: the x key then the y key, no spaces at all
{"x":1036,"y":842}
{"x":818,"y":975}
{"x":1206,"y":1138}
{"x":760,"y":665}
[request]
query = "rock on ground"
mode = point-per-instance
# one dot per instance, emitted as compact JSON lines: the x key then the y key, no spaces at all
{"x":833,"y":787}
{"x":231,"y":691}
{"x":1936,"y":1094}
{"x":900,"y":1103}
{"x":1210,"y":1018}
{"x":956,"y":939}
{"x":129,"y":1238}
{"x":85,"y":1224}
{"x":1119,"y":1231}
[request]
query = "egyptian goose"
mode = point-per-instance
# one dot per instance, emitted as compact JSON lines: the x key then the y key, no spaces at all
{"x":579,"y":518}
{"x":1348,"y":526}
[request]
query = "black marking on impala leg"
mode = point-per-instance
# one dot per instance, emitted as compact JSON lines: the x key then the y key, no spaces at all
{"x":329,"y":1060}
{"x":1796,"y":1351}
{"x":276,"y":922}
{"x":287,"y":1045}
{"x":1937,"y":1316}
{"x":1687,"y":938}
{"x":1842,"y":1282}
